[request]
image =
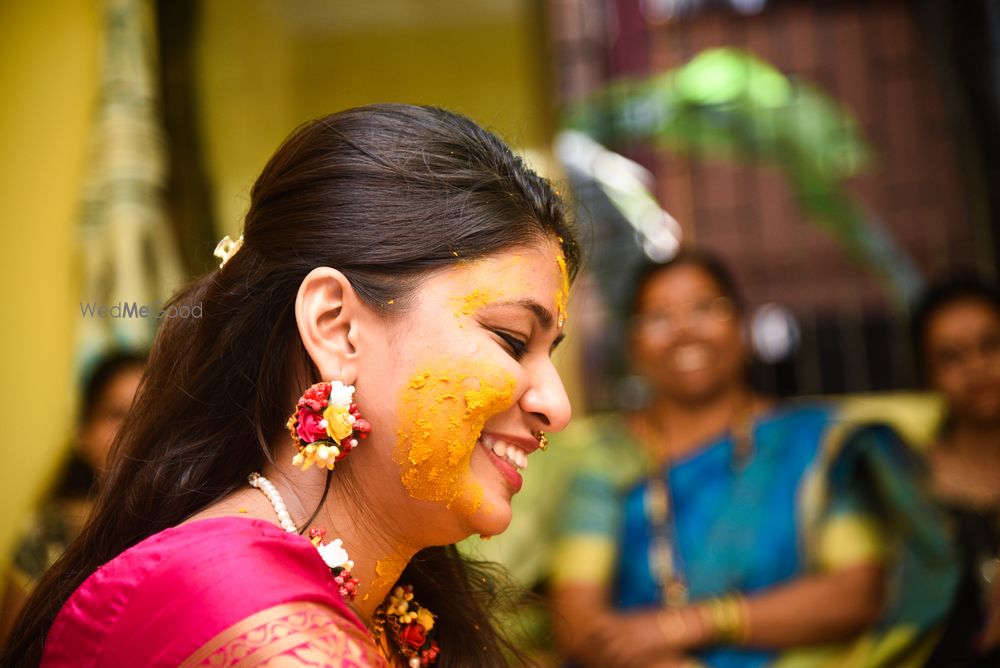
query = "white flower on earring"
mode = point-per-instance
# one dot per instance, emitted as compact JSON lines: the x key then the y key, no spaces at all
{"x":340,"y":394}
{"x":334,"y":554}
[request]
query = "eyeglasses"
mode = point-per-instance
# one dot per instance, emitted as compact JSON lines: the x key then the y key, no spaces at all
{"x":664,"y":323}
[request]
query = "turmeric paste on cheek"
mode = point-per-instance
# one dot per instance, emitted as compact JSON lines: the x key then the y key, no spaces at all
{"x":442,"y":413}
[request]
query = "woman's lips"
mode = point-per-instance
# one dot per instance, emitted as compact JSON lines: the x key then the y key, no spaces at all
{"x":509,"y":459}
{"x":694,"y":357}
{"x":509,"y":472}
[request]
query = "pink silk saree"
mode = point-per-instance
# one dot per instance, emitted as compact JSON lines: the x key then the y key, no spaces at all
{"x":220,"y":592}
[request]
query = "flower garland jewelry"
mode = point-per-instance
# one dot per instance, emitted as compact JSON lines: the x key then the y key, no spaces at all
{"x":326,"y":425}
{"x":410,"y":625}
{"x":226,"y":249}
{"x":334,"y":555}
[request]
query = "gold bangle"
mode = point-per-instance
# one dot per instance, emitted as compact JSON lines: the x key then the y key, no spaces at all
{"x":745,"y":632}
{"x":727,"y":619}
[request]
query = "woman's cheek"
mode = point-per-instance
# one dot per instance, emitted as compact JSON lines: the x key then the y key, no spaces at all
{"x":442,"y":411}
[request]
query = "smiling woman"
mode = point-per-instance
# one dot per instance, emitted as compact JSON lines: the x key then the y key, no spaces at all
{"x":718,"y":527}
{"x":499,"y":335}
{"x":399,"y":287}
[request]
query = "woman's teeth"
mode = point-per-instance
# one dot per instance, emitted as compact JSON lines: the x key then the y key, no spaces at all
{"x":517,"y":457}
{"x":690,"y":358}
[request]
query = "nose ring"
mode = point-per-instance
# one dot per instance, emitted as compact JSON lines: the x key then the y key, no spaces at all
{"x":543,"y":441}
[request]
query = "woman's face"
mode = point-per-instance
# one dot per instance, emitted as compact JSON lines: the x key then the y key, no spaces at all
{"x":686,"y":337}
{"x":962,"y":353}
{"x":461,"y":384}
{"x":98,"y":433}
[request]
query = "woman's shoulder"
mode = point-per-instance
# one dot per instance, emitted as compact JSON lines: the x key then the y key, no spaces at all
{"x":802,"y":413}
{"x":217,"y":553}
{"x":602,"y":446}
{"x":174,"y":591}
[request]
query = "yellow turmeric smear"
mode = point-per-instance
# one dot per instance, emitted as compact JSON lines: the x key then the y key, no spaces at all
{"x":471,"y":302}
{"x":562,"y":295}
{"x":442,"y":414}
{"x":387,"y":571}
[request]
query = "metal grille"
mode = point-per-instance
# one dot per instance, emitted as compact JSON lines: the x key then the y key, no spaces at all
{"x":876,"y":59}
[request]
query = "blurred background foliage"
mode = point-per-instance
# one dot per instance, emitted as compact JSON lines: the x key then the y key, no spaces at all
{"x":726,"y":104}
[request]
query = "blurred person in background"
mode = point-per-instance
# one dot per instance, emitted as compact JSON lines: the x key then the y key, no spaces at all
{"x":718,"y":527}
{"x":956,"y":328}
{"x":106,"y":398}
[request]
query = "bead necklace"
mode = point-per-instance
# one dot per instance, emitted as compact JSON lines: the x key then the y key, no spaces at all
{"x":407,"y":621}
{"x":271,"y":492}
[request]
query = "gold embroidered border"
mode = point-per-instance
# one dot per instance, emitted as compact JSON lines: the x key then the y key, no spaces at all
{"x":289,"y":635}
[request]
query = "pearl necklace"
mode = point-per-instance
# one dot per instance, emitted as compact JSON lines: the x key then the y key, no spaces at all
{"x":338,"y":560}
{"x":271,"y":492}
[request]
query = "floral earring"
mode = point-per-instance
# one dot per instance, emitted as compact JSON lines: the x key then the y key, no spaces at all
{"x":326,"y":425}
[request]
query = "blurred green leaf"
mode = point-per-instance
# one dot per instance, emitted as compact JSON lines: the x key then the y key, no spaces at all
{"x":727,"y":104}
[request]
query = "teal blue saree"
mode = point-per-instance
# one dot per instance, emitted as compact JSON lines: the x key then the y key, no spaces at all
{"x":819,"y":492}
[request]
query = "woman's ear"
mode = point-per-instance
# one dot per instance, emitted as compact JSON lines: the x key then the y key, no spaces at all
{"x":327,"y":313}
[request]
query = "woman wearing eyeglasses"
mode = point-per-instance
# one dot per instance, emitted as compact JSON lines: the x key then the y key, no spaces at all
{"x":716,"y":527}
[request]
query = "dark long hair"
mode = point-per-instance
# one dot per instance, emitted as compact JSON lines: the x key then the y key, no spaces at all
{"x":698,"y":258}
{"x":385,"y":194}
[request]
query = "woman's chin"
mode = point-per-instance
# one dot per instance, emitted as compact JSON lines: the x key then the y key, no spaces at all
{"x":493,"y":517}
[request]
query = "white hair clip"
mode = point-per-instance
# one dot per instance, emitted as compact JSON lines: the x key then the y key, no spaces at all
{"x":227,"y":248}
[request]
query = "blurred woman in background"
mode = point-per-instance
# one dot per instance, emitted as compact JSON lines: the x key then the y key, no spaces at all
{"x":106,"y":398}
{"x":719,"y":527}
{"x":957,"y":339}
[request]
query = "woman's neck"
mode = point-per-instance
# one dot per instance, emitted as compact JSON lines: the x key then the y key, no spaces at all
{"x":379,"y":557}
{"x":681,"y":428}
{"x":966,"y":465}
{"x":974,"y":442}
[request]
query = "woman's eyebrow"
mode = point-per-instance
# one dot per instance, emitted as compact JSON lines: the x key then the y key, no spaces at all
{"x":542,"y":314}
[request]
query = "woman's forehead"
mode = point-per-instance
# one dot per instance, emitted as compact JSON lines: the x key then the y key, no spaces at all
{"x":679,"y":284}
{"x":522,"y":270}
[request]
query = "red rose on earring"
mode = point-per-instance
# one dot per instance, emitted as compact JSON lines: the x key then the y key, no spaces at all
{"x":413,"y":635}
{"x":309,"y":428}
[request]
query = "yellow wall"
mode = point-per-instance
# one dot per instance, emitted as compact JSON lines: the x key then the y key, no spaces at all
{"x":48,"y":67}
{"x":265,"y":67}
{"x":261,"y":71}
